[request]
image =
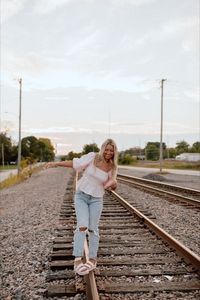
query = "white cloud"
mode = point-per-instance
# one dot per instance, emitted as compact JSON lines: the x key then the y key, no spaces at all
{"x":47,"y":6}
{"x":169,"y":30}
{"x":63,"y":145}
{"x":132,"y":2}
{"x":144,"y":60}
{"x":119,"y":128}
{"x":173,"y":128}
{"x":58,"y":97}
{"x":7,"y":125}
{"x":151,"y":128}
{"x":10,"y":8}
{"x":58,"y":130}
{"x":179,"y":25}
{"x":30,"y":63}
{"x":50,"y":130}
{"x":193,"y":95}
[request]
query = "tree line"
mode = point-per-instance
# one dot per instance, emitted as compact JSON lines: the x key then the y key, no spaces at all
{"x":32,"y":150}
{"x":150,"y":152}
{"x":42,"y":150}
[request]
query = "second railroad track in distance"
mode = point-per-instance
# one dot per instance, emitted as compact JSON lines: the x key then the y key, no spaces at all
{"x":186,"y":196}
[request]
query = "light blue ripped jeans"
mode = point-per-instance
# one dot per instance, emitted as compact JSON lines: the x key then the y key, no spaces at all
{"x":88,"y":211}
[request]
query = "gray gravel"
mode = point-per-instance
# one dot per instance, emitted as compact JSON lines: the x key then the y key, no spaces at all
{"x":181,"y":222}
{"x":29,"y":215}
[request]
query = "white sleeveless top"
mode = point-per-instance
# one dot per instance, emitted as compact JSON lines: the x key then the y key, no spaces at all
{"x":94,"y":179}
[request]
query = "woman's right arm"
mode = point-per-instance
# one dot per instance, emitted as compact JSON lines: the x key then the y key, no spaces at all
{"x":77,"y":163}
{"x":67,"y":164}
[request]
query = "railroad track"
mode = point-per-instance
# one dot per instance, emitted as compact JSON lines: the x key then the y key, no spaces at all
{"x":135,"y":258}
{"x":185,"y":196}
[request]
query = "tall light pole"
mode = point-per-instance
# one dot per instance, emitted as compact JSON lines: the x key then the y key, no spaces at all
{"x":161,"y":127}
{"x":20,"y":111}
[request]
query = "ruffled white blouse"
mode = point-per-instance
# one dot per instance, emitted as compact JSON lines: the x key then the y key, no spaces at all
{"x":93,"y":180}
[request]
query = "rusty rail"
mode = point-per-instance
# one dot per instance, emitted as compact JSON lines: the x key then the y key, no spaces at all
{"x":91,"y":287}
{"x":188,"y":255}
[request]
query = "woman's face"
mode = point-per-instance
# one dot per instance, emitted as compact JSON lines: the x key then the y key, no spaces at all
{"x":108,"y":152}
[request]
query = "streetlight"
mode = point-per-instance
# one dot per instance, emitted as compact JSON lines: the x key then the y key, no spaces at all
{"x":20,"y":110}
{"x":161,"y":126}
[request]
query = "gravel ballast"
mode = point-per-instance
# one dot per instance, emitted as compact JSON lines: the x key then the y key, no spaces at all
{"x":29,"y":215}
{"x":179,"y":221}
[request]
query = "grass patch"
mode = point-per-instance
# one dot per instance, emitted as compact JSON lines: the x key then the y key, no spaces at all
{"x":167,"y":164}
{"x":8,"y":167}
{"x":187,"y":166}
{"x":15,"y":179}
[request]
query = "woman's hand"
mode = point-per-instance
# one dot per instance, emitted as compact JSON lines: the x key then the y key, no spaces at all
{"x":50,"y":165}
{"x":114,"y":185}
{"x":111,"y":185}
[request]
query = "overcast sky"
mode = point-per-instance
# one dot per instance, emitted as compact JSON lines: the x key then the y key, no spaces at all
{"x":92,"y":69}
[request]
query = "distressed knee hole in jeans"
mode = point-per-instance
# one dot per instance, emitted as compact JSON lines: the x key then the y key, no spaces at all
{"x":82,"y":229}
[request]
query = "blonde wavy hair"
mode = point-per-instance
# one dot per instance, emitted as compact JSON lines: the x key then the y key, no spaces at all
{"x":99,"y":156}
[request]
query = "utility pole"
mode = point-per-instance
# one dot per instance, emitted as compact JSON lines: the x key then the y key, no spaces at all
{"x":161,"y":127}
{"x":2,"y":154}
{"x":109,"y":123}
{"x":20,"y":110}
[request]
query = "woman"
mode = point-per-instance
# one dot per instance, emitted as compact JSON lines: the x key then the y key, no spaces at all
{"x":100,"y":171}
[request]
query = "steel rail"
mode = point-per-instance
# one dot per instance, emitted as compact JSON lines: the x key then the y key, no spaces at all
{"x":91,"y":287}
{"x":188,"y":255}
{"x":161,"y":183}
{"x":129,"y":179}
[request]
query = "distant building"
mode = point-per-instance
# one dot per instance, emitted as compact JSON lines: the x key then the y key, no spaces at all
{"x":188,"y":157}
